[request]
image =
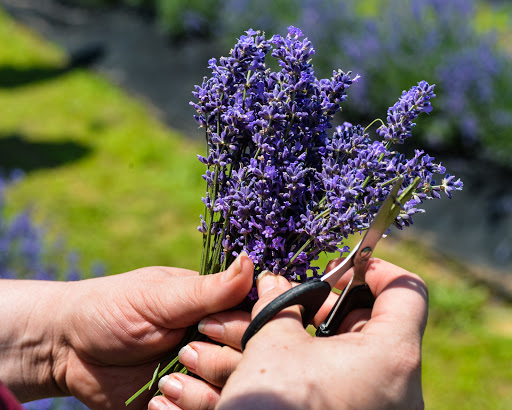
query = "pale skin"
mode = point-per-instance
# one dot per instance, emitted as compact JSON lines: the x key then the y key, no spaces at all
{"x":373,"y":363}
{"x":101,"y":339}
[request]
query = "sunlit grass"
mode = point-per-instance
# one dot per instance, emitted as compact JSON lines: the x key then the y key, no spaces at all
{"x":131,"y":197}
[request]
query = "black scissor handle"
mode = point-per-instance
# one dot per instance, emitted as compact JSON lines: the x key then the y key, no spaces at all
{"x":311,"y":295}
{"x":359,"y":297}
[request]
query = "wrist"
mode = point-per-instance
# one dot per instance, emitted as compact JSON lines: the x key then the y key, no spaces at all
{"x":32,"y":343}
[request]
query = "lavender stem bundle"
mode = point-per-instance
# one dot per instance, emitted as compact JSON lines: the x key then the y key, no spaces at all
{"x":280,"y":185}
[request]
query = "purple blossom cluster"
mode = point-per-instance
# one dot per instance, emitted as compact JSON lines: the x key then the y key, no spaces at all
{"x":467,"y":64}
{"x":21,"y":243}
{"x":25,"y":252}
{"x":405,"y":111}
{"x":280,"y":184}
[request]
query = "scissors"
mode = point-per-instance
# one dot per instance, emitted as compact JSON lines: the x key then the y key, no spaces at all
{"x":312,"y":294}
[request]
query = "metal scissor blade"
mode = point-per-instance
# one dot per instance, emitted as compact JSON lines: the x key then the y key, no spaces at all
{"x":387,"y":213}
{"x":357,"y":294}
{"x":384,"y":218}
{"x":332,"y":277}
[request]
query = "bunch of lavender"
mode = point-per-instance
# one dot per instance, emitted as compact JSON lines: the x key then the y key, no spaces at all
{"x":279,"y":186}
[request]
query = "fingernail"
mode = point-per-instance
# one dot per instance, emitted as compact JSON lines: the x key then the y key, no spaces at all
{"x":235,"y":268}
{"x":171,"y":387}
{"x":157,"y":403}
{"x":266,"y":281}
{"x":212,"y":328}
{"x":188,"y":357}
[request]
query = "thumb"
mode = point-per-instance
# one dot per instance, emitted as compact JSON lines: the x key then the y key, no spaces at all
{"x":270,"y":286}
{"x":195,"y":297}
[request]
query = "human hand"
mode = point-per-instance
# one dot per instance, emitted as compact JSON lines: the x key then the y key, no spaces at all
{"x":378,"y":351}
{"x":212,"y":362}
{"x":102,"y":338}
{"x":374,"y":361}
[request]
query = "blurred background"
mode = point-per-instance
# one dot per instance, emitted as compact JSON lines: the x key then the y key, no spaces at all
{"x":98,"y":148}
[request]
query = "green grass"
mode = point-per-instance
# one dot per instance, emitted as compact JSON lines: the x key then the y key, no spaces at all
{"x":123,"y":189}
{"x":466,"y":350}
{"x":101,"y":170}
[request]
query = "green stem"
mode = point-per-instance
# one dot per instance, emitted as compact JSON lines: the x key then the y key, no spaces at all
{"x":373,"y":122}
{"x":205,"y":213}
{"x":218,"y":246}
{"x":209,"y":222}
{"x":192,"y":334}
{"x":306,"y":244}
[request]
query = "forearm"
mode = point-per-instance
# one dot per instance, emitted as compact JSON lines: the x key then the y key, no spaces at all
{"x":29,"y":336}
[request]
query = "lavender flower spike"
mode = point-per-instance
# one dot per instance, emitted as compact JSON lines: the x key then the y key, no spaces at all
{"x":405,"y":111}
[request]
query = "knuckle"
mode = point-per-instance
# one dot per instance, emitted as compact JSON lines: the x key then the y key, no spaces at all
{"x":221,"y":365}
{"x":208,"y":400}
{"x":194,"y":294}
{"x":266,"y":298}
{"x":411,"y":360}
{"x":235,"y":331}
{"x":403,"y":384}
{"x":406,"y":359}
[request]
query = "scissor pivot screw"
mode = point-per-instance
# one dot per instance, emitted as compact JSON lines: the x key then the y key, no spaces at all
{"x":366,"y":252}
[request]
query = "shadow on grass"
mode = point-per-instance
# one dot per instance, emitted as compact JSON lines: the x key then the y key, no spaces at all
{"x":12,"y":76}
{"x":16,"y":152}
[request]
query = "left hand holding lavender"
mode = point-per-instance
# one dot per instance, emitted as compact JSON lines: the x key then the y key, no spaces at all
{"x":97,"y":339}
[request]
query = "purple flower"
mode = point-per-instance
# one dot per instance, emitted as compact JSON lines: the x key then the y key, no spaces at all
{"x":25,"y":252}
{"x":405,"y":111}
{"x":280,"y":184}
{"x":449,"y":185}
{"x":403,"y":41}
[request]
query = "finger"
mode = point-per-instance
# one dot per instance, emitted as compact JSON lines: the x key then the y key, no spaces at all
{"x":333,"y":263}
{"x":345,"y":279}
{"x":226,"y":327}
{"x":332,"y":298}
{"x":212,"y":362}
{"x":162,"y":403}
{"x":288,"y":320}
{"x":269,"y":287}
{"x":355,"y":321}
{"x":185,"y":392}
{"x":401,"y":304}
{"x":183,"y":301}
